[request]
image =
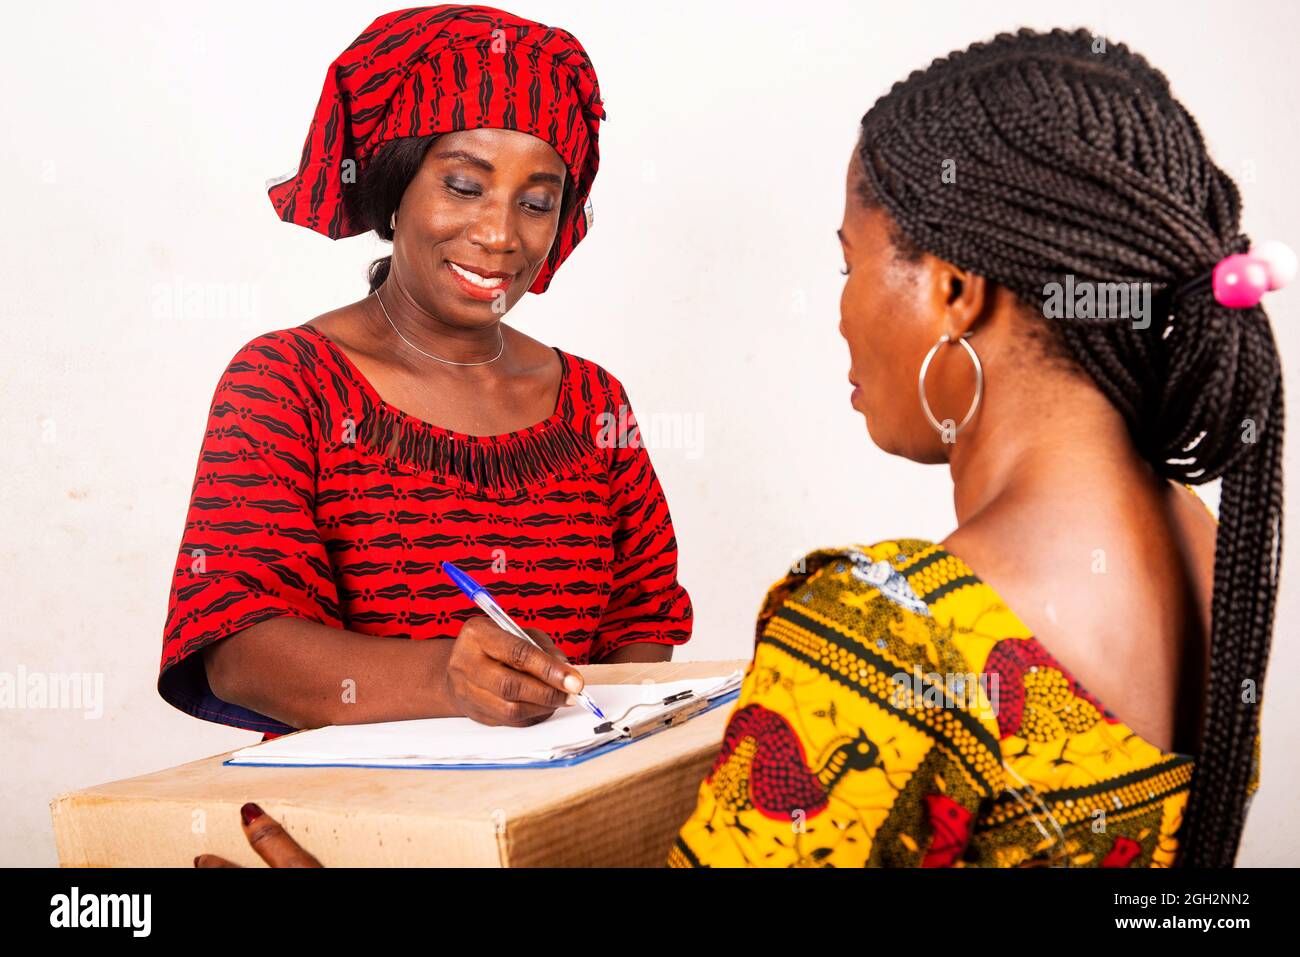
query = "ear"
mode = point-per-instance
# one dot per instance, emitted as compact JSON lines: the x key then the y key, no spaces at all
{"x":958,"y":295}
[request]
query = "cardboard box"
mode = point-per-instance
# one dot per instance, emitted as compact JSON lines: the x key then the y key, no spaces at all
{"x":620,"y":809}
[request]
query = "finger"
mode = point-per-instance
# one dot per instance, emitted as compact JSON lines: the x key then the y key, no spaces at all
{"x":487,"y":708}
{"x":211,"y":860}
{"x":490,"y":710}
{"x":522,"y":657}
{"x":477,"y":628}
{"x":506,"y":684}
{"x":548,"y":646}
{"x":271,"y":842}
{"x":475,"y":682}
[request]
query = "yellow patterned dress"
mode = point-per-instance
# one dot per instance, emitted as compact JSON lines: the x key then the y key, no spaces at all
{"x":898,"y":714}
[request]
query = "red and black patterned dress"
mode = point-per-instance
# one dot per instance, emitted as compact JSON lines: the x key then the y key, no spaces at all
{"x":315,"y":498}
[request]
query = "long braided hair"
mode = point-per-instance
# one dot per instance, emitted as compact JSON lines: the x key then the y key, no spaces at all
{"x":1034,"y":157}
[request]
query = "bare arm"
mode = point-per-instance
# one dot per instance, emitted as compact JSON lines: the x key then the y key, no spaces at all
{"x":309,"y":675}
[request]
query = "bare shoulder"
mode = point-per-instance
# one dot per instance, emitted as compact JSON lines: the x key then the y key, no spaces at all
{"x":1196,"y":531}
{"x":994,"y":549}
{"x":1191,"y":512}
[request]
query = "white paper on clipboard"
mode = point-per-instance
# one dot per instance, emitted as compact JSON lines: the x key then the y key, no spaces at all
{"x":463,"y":742}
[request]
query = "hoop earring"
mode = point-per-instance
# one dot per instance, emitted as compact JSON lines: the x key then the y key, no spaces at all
{"x":392,"y":221}
{"x":979,"y":383}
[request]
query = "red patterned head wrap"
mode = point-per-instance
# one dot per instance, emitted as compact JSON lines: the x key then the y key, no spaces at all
{"x":437,"y":70}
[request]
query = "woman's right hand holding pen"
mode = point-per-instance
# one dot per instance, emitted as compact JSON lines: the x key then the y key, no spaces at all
{"x":497,"y":678}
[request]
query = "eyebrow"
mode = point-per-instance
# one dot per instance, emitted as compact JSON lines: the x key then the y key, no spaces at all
{"x":483,"y":164}
{"x":840,"y":233}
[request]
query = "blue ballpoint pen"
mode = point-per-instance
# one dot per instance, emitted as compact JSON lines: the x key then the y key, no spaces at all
{"x":479,"y":596}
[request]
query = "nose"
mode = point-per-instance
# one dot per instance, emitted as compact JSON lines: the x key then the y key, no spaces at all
{"x":493,"y":228}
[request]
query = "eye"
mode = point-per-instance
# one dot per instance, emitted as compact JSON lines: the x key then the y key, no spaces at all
{"x":537,"y":206}
{"x":462,"y":187}
{"x":844,"y":271}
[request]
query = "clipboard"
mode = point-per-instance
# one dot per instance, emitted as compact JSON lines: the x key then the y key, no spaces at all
{"x":681,"y":707}
{"x":689,"y":708}
{"x":630,"y":727}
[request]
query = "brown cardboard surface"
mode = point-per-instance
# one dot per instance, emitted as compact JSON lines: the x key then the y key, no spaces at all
{"x":622,"y":808}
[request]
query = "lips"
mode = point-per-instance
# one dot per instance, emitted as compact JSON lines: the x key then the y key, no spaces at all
{"x":484,"y":273}
{"x":478,"y":283}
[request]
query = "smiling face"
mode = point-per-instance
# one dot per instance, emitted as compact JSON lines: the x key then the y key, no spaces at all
{"x":476,"y":223}
{"x":892,"y":310}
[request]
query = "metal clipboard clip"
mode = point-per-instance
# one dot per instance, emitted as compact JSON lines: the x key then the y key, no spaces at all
{"x":681,"y":707}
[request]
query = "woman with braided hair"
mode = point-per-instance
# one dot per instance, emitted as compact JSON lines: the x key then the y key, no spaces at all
{"x":1033,"y":230}
{"x":912,"y":703}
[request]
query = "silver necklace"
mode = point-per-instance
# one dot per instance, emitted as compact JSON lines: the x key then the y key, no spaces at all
{"x":449,"y":362}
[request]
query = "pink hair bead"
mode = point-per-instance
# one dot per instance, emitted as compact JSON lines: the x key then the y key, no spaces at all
{"x":1240,"y":281}
{"x":1279,"y":262}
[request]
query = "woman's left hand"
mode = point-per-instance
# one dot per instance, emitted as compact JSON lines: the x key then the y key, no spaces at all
{"x":268,"y":838}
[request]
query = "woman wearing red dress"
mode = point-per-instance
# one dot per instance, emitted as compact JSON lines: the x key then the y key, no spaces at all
{"x":347,"y":458}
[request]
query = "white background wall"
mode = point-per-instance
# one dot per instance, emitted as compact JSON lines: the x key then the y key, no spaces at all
{"x":136,"y":140}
